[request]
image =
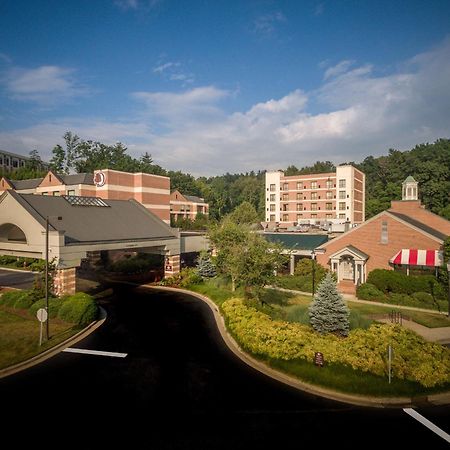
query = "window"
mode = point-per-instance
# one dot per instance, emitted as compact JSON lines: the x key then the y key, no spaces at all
{"x":272,"y":208}
{"x":285,"y":217}
{"x":299,"y":216}
{"x":272,"y":187}
{"x":329,"y":206}
{"x":299,"y":185}
{"x":285,"y":197}
{"x":285,"y":186}
{"x":50,"y":178}
{"x":384,"y":232}
{"x":56,"y":194}
{"x":313,"y":216}
{"x":299,"y":206}
{"x":313,"y":195}
{"x":341,"y":205}
{"x":299,"y":196}
{"x":272,"y":217}
{"x":313,"y":184}
{"x":329,"y":184}
{"x":7,"y":161}
{"x":272,"y":197}
{"x":342,"y":184}
{"x":15,"y":163}
{"x":313,"y":206}
{"x":71,"y":192}
{"x":341,"y":216}
{"x":45,"y":193}
{"x":329,"y":195}
{"x":285,"y":207}
{"x":328,"y":216}
{"x":341,"y":194}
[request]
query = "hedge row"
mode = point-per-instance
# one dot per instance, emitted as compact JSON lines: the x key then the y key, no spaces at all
{"x":389,"y":281}
{"x":365,"y":350}
{"x":79,"y":309}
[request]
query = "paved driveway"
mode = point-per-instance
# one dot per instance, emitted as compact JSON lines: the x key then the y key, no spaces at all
{"x":16,"y":279}
{"x":180,"y":387}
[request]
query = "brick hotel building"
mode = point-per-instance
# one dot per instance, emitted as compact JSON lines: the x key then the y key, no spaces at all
{"x":334,"y":197}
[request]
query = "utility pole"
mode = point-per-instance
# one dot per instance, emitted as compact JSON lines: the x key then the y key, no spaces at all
{"x":47,"y":333}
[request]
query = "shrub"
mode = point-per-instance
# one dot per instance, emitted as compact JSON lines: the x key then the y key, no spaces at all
{"x":389,"y":281}
{"x":414,"y":358}
{"x":368,"y":291}
{"x":54,"y":304}
{"x":188,"y":276}
{"x":23,"y":302}
{"x":10,"y":298}
{"x":135,"y":264}
{"x":423,"y":297}
{"x":298,"y":314}
{"x":79,"y":309}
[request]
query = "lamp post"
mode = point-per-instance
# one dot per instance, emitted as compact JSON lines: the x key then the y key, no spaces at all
{"x":313,"y":254}
{"x":448,"y":272}
{"x":47,"y":223}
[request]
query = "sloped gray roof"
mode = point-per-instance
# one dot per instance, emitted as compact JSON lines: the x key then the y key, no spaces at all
{"x":193,"y":198}
{"x":422,"y":226}
{"x":121,"y":220}
{"x":78,"y":178}
{"x":32,"y":183}
{"x":409,"y":179}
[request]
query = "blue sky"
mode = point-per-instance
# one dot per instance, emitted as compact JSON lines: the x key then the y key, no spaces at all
{"x":214,"y":86}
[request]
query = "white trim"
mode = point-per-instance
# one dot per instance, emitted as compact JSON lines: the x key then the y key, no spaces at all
{"x":133,"y":189}
{"x":131,"y":173}
{"x":151,"y":206}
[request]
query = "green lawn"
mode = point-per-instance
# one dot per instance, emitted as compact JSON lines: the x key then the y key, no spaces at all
{"x":19,"y":335}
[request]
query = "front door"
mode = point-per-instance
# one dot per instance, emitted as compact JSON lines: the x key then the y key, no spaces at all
{"x":348,"y":269}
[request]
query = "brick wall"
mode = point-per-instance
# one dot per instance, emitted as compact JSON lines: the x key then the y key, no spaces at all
{"x":367,"y":238}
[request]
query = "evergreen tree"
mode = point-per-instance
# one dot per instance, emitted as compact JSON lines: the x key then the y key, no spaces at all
{"x":205,"y":266}
{"x":328,"y":312}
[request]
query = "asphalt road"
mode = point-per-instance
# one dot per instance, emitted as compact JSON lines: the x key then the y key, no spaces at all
{"x":180,"y":387}
{"x":16,"y":279}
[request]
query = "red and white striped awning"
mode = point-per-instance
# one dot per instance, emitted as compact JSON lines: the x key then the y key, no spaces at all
{"x":414,"y":257}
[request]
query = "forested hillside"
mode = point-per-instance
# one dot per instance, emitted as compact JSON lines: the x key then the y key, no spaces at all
{"x":429,"y":164}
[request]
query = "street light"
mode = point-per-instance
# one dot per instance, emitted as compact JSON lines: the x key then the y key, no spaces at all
{"x":313,"y":254}
{"x":46,"y":274}
{"x":448,"y":272}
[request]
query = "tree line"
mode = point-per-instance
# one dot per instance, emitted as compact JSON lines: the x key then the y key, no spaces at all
{"x":428,"y":163}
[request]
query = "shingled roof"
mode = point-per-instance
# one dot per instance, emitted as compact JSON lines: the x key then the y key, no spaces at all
{"x":96,"y":220}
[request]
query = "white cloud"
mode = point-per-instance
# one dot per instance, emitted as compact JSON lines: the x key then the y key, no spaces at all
{"x":45,"y":85}
{"x":338,"y":69}
{"x":355,"y":113}
{"x":265,"y":24}
{"x":319,"y":9}
{"x":163,"y":67}
{"x":135,"y":5}
{"x":182,"y":108}
{"x":127,"y":4}
{"x":5,"y":58}
{"x":174,"y":71}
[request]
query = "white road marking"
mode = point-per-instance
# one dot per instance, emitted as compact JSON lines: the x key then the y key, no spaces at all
{"x":427,"y":423}
{"x":95,"y":352}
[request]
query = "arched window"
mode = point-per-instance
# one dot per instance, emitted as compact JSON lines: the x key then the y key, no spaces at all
{"x":12,"y":233}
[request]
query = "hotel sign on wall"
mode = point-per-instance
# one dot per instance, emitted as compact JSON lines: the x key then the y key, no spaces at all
{"x":99,"y":179}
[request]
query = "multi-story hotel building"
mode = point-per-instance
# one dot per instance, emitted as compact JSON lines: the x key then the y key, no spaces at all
{"x":12,"y":161}
{"x":187,"y":206}
{"x":335,"y":197}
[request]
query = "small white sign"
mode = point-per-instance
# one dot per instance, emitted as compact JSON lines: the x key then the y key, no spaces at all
{"x":42,"y":315}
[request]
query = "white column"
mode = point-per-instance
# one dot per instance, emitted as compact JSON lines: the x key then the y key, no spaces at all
{"x":292,"y":265}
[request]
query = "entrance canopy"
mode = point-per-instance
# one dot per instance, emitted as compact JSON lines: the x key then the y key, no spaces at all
{"x":414,"y":257}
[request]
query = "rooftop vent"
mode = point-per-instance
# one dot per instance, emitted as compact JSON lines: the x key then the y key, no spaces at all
{"x":75,"y":200}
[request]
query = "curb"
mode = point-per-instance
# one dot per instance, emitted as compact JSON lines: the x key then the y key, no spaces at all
{"x":377,"y":402}
{"x":41,"y":357}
